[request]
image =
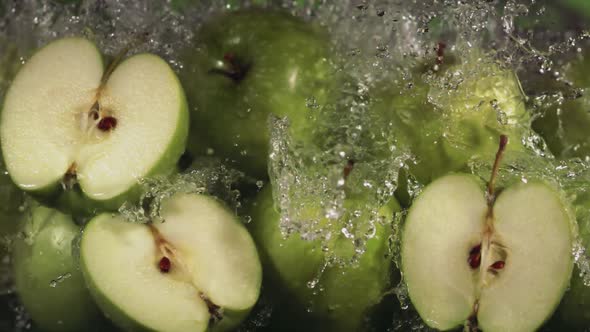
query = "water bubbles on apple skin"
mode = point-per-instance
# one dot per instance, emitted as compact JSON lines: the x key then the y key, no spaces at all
{"x":61,"y":278}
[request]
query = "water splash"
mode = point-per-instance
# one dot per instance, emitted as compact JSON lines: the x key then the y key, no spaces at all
{"x":205,"y":177}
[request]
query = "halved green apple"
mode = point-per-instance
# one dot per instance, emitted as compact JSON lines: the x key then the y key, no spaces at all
{"x":74,"y":133}
{"x":196,"y":271}
{"x":498,"y":263}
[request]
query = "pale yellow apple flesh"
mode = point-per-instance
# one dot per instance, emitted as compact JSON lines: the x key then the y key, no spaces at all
{"x":51,"y":119}
{"x":523,"y":265}
{"x":213,"y":270}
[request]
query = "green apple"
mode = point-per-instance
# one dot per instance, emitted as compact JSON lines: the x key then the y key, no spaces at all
{"x":574,"y":311}
{"x":12,"y":200}
{"x":446,"y":118}
{"x":197,"y":271}
{"x":47,"y":276}
{"x":565,"y":126}
{"x":250,"y":64}
{"x":490,"y":261}
{"x":83,"y":137}
{"x":8,"y":60}
{"x":343,"y":294}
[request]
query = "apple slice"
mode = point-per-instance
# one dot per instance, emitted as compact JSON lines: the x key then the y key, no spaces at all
{"x":498,"y":264}
{"x":197,"y":270}
{"x":83,"y":136}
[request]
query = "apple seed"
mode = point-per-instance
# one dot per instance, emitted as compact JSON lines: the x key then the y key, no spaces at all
{"x":499,"y":265}
{"x":165,"y":265}
{"x":107,"y":123}
{"x":474,"y":259}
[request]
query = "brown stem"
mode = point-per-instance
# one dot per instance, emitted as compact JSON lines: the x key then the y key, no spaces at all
{"x":492,"y":182}
{"x":215,"y":311}
{"x":472,"y":324}
{"x":71,"y":177}
{"x":112,"y":66}
{"x":348,"y":169}
{"x":235,"y":69}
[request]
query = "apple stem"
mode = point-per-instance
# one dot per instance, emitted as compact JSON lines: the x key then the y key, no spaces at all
{"x":471,"y":325}
{"x":235,"y":70}
{"x":95,"y":110}
{"x":214,"y":310}
{"x":142,"y":38}
{"x":70,"y":178}
{"x":491,"y":184}
{"x":440,"y":52}
{"x":348,"y":169}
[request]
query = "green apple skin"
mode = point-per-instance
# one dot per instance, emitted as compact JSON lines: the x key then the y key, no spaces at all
{"x":347,"y":293}
{"x":574,"y":310}
{"x":11,"y":201}
{"x":42,"y":254}
{"x":75,"y":202}
{"x":8,"y":60}
{"x":566,"y":130}
{"x":284,"y":61}
{"x":424,"y":127}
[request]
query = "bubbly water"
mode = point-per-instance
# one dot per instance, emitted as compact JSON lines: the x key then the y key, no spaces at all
{"x":375,"y":40}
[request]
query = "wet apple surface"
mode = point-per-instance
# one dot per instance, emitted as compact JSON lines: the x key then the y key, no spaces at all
{"x":276,"y":165}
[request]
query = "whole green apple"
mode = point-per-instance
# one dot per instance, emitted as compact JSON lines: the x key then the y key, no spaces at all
{"x":248,"y":65}
{"x":12,"y":200}
{"x":9,"y":63}
{"x":341,"y":297}
{"x":445,"y":118}
{"x":47,"y":276}
{"x":564,"y":126}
